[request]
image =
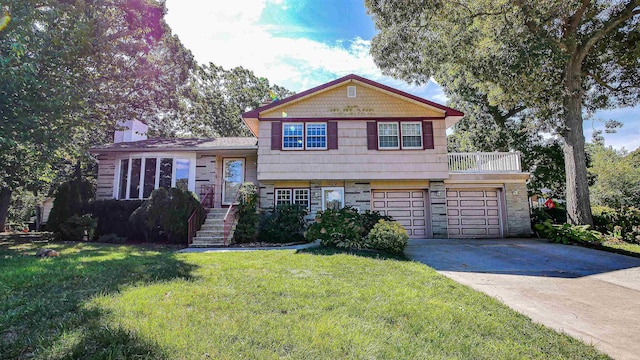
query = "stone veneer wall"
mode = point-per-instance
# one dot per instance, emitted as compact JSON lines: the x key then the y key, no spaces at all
{"x":517,"y":205}
{"x":265,"y":194}
{"x":358,"y":195}
{"x":437,"y":196}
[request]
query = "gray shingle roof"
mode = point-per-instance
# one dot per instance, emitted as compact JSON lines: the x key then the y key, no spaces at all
{"x":222,"y":143}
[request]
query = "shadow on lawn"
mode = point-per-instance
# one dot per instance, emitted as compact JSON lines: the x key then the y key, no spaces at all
{"x":373,"y":254}
{"x":43,"y":310}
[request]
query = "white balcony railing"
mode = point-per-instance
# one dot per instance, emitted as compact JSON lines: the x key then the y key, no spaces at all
{"x":495,"y":162}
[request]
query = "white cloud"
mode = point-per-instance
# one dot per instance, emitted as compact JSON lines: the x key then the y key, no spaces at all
{"x":230,"y":35}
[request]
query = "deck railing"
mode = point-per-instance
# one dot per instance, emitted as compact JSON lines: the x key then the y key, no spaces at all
{"x":494,"y":162}
{"x":229,"y":220}
{"x":197,"y":216}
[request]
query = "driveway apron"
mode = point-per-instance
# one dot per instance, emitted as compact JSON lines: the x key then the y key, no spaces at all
{"x":588,"y":294}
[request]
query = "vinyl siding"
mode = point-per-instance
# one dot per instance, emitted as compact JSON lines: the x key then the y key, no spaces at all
{"x":106,"y":176}
{"x":352,"y":160}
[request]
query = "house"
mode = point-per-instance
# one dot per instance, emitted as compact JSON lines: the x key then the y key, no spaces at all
{"x":349,"y":142}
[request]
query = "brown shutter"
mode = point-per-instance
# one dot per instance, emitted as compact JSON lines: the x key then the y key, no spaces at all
{"x":427,"y":135}
{"x":332,"y":135}
{"x":276,"y":135}
{"x":372,"y":136}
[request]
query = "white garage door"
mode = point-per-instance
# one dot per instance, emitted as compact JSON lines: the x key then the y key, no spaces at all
{"x":473,"y":213}
{"x":408,"y":207}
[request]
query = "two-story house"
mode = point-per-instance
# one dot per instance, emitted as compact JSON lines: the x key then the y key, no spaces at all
{"x":349,"y":142}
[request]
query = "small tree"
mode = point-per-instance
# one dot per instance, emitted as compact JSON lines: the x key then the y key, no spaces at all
{"x":69,"y":200}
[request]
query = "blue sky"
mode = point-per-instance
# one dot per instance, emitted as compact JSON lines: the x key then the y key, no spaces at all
{"x":300,"y":44}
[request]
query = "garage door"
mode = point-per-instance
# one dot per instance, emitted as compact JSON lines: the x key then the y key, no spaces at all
{"x":408,"y":207}
{"x":473,"y":213}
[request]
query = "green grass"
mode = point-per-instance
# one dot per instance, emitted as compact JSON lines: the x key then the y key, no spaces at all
{"x":631,"y":248}
{"x":101,"y":301}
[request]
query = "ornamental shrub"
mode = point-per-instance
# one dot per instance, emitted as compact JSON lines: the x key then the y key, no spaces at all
{"x":77,"y":228}
{"x":370,"y":219}
{"x":388,"y":236}
{"x":283,"y":224}
{"x":247,"y":214}
{"x":166,"y":213}
{"x":70,"y":197}
{"x":113,"y":217}
{"x":341,"y":228}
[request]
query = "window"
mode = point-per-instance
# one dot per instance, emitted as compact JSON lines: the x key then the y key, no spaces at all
{"x":411,"y":135}
{"x":300,"y":136}
{"x":317,"y":136}
{"x":283,"y":196}
{"x":138,"y":177}
{"x":332,"y":198}
{"x":292,"y":196}
{"x":388,"y":136}
{"x":293,"y":136}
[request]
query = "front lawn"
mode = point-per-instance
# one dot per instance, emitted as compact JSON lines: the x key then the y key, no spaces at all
{"x":104,"y":301}
{"x":632,"y":249}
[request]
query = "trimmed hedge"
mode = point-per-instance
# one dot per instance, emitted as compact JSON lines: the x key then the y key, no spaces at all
{"x":113,"y":217}
{"x":283,"y":224}
{"x":388,"y":236}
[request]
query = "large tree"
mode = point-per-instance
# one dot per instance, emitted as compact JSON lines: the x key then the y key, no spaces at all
{"x":558,"y":59}
{"x":217,"y":98}
{"x":69,"y":71}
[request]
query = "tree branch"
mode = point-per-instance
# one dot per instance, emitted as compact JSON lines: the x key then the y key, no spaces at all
{"x":604,"y":84}
{"x":574,"y":20}
{"x":628,"y":12}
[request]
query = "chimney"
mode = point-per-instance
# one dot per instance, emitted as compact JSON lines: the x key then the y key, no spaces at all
{"x":133,"y":130}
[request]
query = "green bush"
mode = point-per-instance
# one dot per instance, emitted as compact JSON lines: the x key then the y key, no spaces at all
{"x":569,"y":234}
{"x":388,"y":236}
{"x":623,"y":224}
{"x":341,"y":228}
{"x":283,"y":224}
{"x":369,"y":219}
{"x":113,"y":217}
{"x":165,"y":214}
{"x":70,"y":197}
{"x":247,"y":214}
{"x":77,"y":228}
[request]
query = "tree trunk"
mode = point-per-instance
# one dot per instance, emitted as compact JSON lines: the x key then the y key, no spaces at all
{"x":5,"y":199}
{"x":575,"y":160}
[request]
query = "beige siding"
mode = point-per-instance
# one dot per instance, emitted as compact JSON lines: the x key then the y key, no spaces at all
{"x":369,"y":102}
{"x":352,"y":160}
{"x":106,"y":176}
{"x":205,"y":173}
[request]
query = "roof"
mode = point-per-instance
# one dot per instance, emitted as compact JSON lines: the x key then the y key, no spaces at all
{"x":256,"y":112}
{"x":179,"y":144}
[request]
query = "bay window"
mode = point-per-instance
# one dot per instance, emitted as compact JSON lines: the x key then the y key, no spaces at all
{"x":137,"y":177}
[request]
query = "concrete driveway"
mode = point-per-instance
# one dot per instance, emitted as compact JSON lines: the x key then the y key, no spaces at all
{"x":589,"y":294}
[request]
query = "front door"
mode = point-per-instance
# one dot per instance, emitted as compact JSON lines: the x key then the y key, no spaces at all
{"x":233,"y":177}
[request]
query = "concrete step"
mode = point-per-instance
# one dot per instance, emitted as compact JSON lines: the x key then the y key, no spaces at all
{"x":212,"y":227}
{"x":207,"y":233}
{"x":206,"y":244}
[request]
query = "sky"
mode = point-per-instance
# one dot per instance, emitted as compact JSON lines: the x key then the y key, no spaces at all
{"x":300,"y":44}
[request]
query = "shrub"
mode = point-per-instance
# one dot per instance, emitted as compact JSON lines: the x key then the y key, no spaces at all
{"x":113,"y":217}
{"x":342,"y":228}
{"x":69,"y":200}
{"x":285,"y":223}
{"x":247,"y":214}
{"x":166,"y":212}
{"x":369,"y":219}
{"x":569,"y":234}
{"x":77,"y":228}
{"x":623,"y":224}
{"x":388,"y":236}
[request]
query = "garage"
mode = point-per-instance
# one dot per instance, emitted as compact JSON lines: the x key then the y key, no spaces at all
{"x":408,"y":207}
{"x":474,"y":213}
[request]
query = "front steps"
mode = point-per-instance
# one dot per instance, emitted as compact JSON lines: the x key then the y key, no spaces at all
{"x":211,"y":234}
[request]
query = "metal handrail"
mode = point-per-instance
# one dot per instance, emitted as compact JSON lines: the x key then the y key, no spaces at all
{"x":229,"y":219}
{"x":197,"y":216}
